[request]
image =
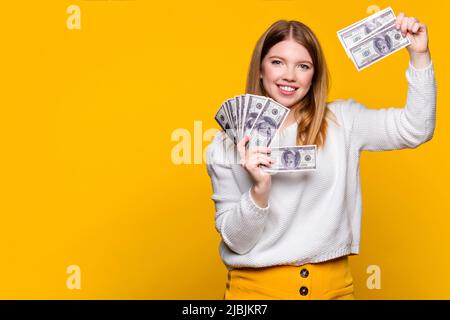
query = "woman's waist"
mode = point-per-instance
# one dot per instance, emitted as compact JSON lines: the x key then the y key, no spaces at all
{"x":334,"y":273}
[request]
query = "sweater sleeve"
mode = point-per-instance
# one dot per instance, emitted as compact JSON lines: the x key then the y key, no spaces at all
{"x":398,"y":128}
{"x":238,"y":219}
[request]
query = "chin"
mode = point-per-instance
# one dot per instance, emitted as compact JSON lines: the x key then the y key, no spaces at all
{"x":288,"y":102}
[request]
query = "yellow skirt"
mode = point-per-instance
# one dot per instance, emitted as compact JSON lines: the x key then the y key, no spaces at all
{"x":325,"y":280}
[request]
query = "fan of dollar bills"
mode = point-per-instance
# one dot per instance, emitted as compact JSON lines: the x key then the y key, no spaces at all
{"x":372,"y":39}
{"x":261,"y":118}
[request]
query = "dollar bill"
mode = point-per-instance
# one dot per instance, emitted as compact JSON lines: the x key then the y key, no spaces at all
{"x":231,"y":108}
{"x":237,"y":108}
{"x":257,"y":116}
{"x":255,"y":105}
{"x":378,"y":46}
{"x":362,"y":29}
{"x":267,"y":124}
{"x":240,"y":103}
{"x":292,"y":159}
{"x":222,"y":119}
{"x":372,"y":39}
{"x":242,"y":112}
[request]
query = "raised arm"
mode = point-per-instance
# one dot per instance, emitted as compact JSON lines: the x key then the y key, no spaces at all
{"x":408,"y":127}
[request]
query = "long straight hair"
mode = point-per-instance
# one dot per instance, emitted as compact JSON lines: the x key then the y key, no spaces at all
{"x":311,"y":112}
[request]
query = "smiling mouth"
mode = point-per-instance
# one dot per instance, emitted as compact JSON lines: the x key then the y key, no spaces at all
{"x":287,"y":90}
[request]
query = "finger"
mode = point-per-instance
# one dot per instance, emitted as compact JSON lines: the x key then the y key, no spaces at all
{"x":422,"y":27}
{"x":265,"y":162}
{"x":266,"y":159}
{"x":260,"y":150}
{"x":415,"y":27}
{"x":243,"y":141}
{"x":263,"y":156}
{"x":404,"y":26}
{"x":411,"y":21}
{"x":241,"y":149}
{"x":399,"y":20}
{"x":257,"y":159}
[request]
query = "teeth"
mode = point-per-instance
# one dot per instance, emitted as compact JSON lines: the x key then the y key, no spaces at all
{"x":287,"y":88}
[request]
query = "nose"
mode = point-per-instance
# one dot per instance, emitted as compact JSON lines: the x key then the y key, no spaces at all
{"x":289,"y":75}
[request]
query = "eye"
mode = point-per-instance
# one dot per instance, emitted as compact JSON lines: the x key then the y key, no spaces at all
{"x":276,"y":62}
{"x":304,"y":66}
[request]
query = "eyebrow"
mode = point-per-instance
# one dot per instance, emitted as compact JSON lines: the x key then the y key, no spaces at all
{"x":307,"y":61}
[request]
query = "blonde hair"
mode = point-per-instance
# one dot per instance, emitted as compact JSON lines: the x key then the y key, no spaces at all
{"x":312,"y":109}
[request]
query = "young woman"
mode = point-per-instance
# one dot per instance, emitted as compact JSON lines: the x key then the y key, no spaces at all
{"x":289,"y":235}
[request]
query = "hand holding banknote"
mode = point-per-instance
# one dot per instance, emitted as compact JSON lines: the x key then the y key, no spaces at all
{"x":251,"y":160}
{"x":417,"y":34}
{"x":252,"y":122}
{"x":381,"y":34}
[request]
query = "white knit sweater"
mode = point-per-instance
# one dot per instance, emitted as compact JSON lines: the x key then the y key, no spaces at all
{"x":314,"y":216}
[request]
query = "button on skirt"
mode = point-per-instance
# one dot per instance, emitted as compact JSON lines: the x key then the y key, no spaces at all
{"x":325,"y":280}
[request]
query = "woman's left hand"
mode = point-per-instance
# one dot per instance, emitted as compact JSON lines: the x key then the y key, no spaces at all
{"x":416,"y":32}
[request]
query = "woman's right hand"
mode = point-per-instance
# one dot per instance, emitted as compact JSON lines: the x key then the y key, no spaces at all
{"x":251,"y":158}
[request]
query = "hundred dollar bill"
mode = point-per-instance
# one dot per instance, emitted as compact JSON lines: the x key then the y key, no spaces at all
{"x":293,"y":158}
{"x":242,"y":113}
{"x":229,"y":120}
{"x":240,"y":102}
{"x":231,"y":108}
{"x":364,"y":28}
{"x":267,"y":124}
{"x":223,"y":120}
{"x":378,"y":46}
{"x":237,"y":108}
{"x":253,"y":115}
{"x":254,"y":107}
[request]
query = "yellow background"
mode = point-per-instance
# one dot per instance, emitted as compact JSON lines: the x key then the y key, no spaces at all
{"x":86,"y":121}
